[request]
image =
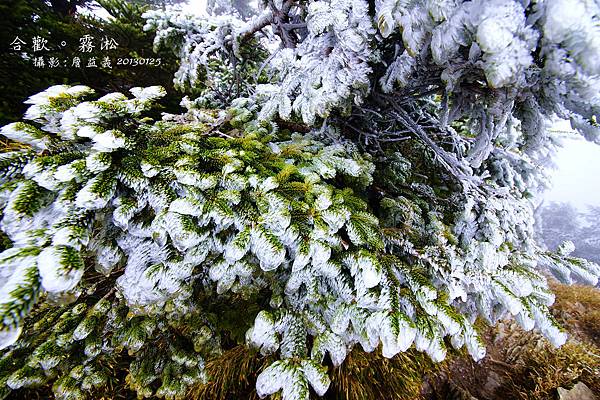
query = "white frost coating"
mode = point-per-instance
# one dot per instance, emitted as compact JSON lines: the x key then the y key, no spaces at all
{"x":218,"y":270}
{"x":507,"y":298}
{"x":271,"y":380}
{"x":267,"y":249}
{"x":79,"y":90}
{"x":112,"y":97}
{"x":398,"y":72}
{"x":88,"y":131}
{"x":336,"y":217}
{"x":97,"y":162}
{"x":301,"y":257}
{"x":278,"y":216}
{"x":586,"y":271}
{"x":277,"y":220}
{"x":43,"y":97}
{"x":231,"y":166}
{"x":323,"y":201}
{"x":519,"y":285}
{"x":137,"y":284}
{"x":475,"y":346}
{"x":21,"y":133}
{"x":451,"y":326}
{"x":69,"y":125}
{"x":107,"y":258}
{"x":238,"y":247}
{"x":286,"y":376}
{"x":566,"y":248}
{"x":371,"y":271}
{"x":87,"y":112}
{"x":83,"y":330}
{"x":316,"y":375}
{"x":525,"y":320}
{"x":34,"y":113}
{"x":123,"y":214}
{"x":320,"y":253}
{"x":69,"y":236}
{"x":189,"y":177}
{"x":18,"y":267}
{"x":492,"y":37}
{"x":43,"y":178}
{"x":21,"y":268}
{"x":148,"y":93}
{"x":9,"y":337}
{"x":90,"y":199}
{"x":65,"y":173}
{"x":327,"y":81}
{"x":198,"y":254}
{"x":10,"y":260}
{"x":564,"y":18}
{"x":546,"y":324}
{"x":262,"y":334}
{"x":373,"y":324}
{"x":108,"y":141}
{"x":187,"y":206}
{"x":431,"y":343}
{"x":181,"y":235}
{"x":331,"y":343}
{"x":56,"y":273}
{"x":149,"y":170}
{"x":395,"y":341}
{"x":326,"y":75}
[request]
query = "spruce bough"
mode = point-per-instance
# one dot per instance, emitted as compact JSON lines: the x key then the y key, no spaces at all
{"x":359,"y":187}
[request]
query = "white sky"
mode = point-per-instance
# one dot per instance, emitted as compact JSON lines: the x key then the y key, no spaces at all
{"x":577,"y":177}
{"x":195,"y":6}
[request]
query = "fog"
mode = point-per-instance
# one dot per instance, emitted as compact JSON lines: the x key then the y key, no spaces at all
{"x":576,"y":178}
{"x":195,"y":6}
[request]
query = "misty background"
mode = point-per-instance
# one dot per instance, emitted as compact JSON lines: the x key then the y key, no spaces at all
{"x":570,"y":209}
{"x":576,"y":179}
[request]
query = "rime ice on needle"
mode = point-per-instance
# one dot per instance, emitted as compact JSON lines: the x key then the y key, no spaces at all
{"x":400,"y":215}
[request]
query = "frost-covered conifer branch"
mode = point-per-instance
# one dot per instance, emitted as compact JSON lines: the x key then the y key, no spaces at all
{"x":369,"y":185}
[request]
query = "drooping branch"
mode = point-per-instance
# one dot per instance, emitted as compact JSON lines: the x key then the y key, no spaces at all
{"x":278,"y":18}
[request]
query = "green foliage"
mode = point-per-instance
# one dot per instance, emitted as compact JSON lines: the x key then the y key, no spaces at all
{"x":193,"y":211}
{"x":28,"y":19}
{"x":157,"y":244}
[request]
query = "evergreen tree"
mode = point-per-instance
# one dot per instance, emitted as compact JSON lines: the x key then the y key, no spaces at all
{"x":23,"y":21}
{"x":348,"y":174}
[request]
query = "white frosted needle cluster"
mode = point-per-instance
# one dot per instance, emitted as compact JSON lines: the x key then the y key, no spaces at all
{"x":402,"y":214}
